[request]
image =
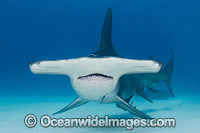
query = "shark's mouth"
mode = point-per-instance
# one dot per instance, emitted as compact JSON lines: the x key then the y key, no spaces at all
{"x":95,"y":76}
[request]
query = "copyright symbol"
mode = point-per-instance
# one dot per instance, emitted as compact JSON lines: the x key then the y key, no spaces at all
{"x":30,"y":121}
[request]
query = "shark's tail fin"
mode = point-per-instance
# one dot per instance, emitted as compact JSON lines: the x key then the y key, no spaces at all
{"x":167,"y":72}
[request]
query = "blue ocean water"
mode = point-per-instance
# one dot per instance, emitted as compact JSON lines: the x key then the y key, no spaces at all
{"x":33,"y":30}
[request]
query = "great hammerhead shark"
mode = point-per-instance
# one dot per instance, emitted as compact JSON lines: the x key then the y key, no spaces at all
{"x":101,"y":77}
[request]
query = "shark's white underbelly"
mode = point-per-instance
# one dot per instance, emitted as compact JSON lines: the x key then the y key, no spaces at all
{"x":95,"y":90}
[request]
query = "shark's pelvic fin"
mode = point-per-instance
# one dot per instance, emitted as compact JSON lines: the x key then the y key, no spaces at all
{"x":76,"y":103}
{"x":167,"y":71}
{"x":152,"y":89}
{"x":127,"y":107}
{"x":142,"y":94}
{"x":128,"y":99}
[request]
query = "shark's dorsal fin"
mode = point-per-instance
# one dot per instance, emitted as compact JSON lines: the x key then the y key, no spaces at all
{"x":106,"y":47}
{"x":106,"y":35}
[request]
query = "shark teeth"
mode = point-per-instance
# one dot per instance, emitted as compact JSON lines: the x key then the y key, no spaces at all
{"x":95,"y":76}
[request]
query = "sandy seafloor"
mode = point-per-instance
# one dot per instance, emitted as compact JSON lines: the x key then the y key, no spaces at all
{"x":185,"y":108}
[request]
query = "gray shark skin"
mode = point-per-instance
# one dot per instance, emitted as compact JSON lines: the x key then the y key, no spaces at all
{"x":103,"y":76}
{"x":131,"y":84}
{"x":151,"y":80}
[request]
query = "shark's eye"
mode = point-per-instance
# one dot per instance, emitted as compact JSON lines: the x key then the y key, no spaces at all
{"x":92,"y":55}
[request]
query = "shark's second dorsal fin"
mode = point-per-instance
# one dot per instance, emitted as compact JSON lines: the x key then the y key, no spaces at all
{"x":106,"y":47}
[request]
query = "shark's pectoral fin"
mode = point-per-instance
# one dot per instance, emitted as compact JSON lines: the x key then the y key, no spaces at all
{"x":104,"y":97}
{"x":141,"y":93}
{"x":127,"y":107}
{"x":76,"y":103}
